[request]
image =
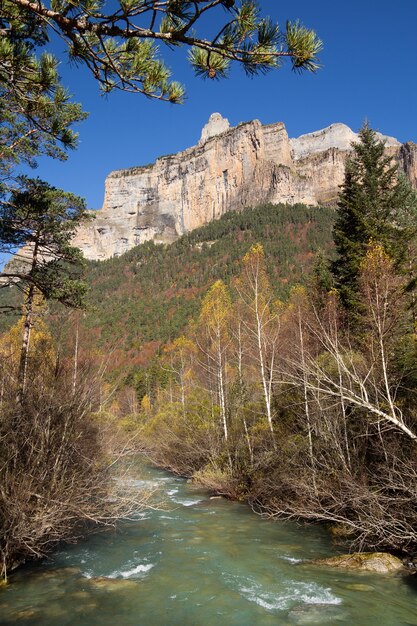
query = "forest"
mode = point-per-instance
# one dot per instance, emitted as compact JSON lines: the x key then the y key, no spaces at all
{"x":270,"y":356}
{"x":304,"y":404}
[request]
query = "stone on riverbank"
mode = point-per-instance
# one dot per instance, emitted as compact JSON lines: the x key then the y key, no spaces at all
{"x":376,"y":562}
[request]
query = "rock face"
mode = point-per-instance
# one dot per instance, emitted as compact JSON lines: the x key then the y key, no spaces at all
{"x":230,"y":168}
{"x":215,"y":126}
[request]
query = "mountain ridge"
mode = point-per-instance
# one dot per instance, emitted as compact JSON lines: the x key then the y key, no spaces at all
{"x":229,"y":169}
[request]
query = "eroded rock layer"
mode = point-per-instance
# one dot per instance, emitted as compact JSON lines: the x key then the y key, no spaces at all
{"x":230,"y":168}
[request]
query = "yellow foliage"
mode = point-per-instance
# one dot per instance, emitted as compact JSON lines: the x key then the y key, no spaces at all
{"x":42,"y":351}
{"x":216,"y":307}
{"x":146,"y":404}
{"x":255,"y":252}
{"x":129,"y":424}
{"x":253,"y":282}
{"x":180,"y":347}
{"x":299,"y":297}
{"x":375,"y":259}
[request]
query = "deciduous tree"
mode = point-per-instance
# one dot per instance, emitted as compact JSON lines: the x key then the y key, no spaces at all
{"x":260,"y":320}
{"x":214,"y":343}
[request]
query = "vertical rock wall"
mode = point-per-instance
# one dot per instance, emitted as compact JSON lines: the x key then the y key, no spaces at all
{"x":230,"y":168}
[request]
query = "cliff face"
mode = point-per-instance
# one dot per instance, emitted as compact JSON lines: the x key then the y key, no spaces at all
{"x":229,"y":169}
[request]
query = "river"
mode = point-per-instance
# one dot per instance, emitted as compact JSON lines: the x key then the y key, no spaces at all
{"x":201,"y":562}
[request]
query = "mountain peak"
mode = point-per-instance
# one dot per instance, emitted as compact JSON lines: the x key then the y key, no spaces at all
{"x":337,"y":135}
{"x":216,"y":125}
{"x":231,"y":168}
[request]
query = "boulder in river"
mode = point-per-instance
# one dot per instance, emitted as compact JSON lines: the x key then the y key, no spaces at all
{"x":360,"y":587}
{"x":306,"y":614}
{"x":111,"y":584}
{"x":376,"y":562}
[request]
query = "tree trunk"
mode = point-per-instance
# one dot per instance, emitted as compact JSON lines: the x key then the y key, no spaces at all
{"x":27,"y":328}
{"x":261,"y":356}
{"x":24,"y":352}
{"x":75,"y":370}
{"x":306,"y":401}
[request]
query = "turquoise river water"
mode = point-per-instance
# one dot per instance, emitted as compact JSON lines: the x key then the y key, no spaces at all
{"x":202,"y":562}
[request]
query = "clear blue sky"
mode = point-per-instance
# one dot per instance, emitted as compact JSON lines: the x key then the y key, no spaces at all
{"x":369,"y":71}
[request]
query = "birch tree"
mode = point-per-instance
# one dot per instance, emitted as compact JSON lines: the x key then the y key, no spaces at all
{"x":362,"y":377}
{"x":213,"y":341}
{"x":298,"y":307}
{"x":261,"y":322}
{"x":240,"y":357}
{"x":181,"y":354}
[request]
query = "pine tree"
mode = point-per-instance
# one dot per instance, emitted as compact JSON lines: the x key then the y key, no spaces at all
{"x":37,"y":113}
{"x":375,"y":204}
{"x":117,"y":41}
{"x":44,"y":219}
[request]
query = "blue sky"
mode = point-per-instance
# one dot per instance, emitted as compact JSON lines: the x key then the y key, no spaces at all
{"x":369,"y":71}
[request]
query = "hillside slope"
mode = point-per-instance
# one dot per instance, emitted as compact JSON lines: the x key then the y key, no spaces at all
{"x":141,"y":300}
{"x":146,"y":297}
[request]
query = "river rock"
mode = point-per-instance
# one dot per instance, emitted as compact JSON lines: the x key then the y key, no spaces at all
{"x":56,"y":611}
{"x":316,"y":614}
{"x":360,"y":587}
{"x":111,"y":584}
{"x":375,"y":562}
{"x":25,"y":614}
{"x":80,"y":596}
{"x":59,"y":572}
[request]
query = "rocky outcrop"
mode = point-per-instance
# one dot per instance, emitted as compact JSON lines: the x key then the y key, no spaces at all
{"x":408,"y":159}
{"x":229,"y":169}
{"x":215,"y":126}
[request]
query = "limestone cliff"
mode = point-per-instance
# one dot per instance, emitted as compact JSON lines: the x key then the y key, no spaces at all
{"x":229,"y":169}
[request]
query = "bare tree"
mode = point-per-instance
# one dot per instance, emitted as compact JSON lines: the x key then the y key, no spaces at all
{"x":213,"y":341}
{"x":56,"y":480}
{"x":261,"y":322}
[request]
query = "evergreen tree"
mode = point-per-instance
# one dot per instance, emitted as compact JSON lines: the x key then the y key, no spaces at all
{"x":375,"y":204}
{"x":117,"y":41}
{"x":36,"y":115}
{"x":321,"y":281}
{"x":44,"y":220}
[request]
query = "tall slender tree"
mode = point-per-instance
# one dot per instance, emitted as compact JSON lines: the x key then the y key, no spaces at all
{"x":214,"y":344}
{"x":261,"y":321}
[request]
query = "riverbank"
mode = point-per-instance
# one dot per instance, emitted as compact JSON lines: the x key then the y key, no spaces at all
{"x":203,"y":562}
{"x":241,"y":487}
